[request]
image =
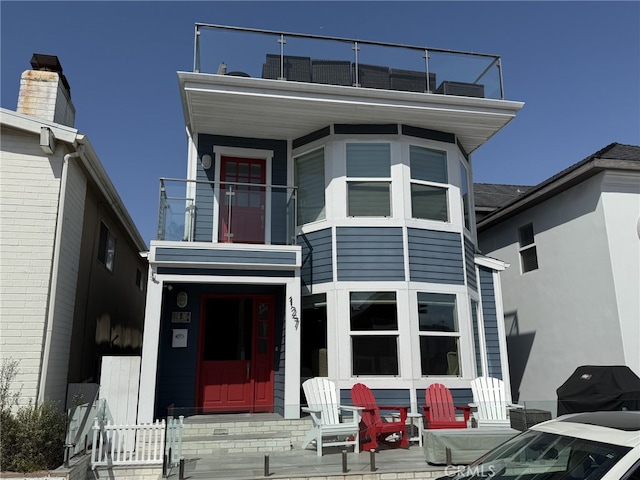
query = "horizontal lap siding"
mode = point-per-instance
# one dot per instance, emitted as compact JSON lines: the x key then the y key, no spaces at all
{"x":490,"y":318}
{"x":370,"y":254}
{"x":395,"y":397}
{"x":317,"y":257}
{"x":435,"y":257}
{"x":469,"y":257}
{"x":195,"y":255}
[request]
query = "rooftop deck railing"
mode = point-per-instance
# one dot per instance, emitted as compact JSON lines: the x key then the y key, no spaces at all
{"x":191,"y":210}
{"x":269,"y":54}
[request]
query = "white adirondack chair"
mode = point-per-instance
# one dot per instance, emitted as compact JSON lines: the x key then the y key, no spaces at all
{"x":490,"y":402}
{"x":329,"y":428}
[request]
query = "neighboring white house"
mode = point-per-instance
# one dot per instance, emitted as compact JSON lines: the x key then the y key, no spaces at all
{"x":71,"y":275}
{"x":325,"y":227}
{"x":572,"y":293}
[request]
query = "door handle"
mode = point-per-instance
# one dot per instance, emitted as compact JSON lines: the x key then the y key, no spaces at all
{"x":248,"y":367}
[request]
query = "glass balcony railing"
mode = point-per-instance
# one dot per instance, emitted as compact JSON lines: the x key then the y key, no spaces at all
{"x":226,"y":212}
{"x":342,"y":61}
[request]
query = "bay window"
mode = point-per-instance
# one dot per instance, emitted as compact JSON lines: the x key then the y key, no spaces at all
{"x":429,"y":182}
{"x":369,"y":179}
{"x":439,"y":334}
{"x":309,"y":178}
{"x":374,"y":333}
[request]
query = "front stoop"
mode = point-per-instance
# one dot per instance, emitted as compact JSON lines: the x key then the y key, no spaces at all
{"x":231,"y":434}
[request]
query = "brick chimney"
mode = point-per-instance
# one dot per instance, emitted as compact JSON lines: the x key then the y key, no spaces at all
{"x":45,"y":92}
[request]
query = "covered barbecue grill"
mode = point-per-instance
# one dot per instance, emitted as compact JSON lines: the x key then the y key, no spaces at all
{"x":595,"y":387}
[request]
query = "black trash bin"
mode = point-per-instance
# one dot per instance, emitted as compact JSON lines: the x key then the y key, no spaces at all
{"x":594,"y":388}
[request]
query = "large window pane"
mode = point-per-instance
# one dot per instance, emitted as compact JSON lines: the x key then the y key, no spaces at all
{"x":369,"y":199}
{"x":375,"y":355}
{"x":367,"y":160}
{"x":437,"y":312}
{"x":429,"y":202}
{"x":439,"y":355}
{"x":428,"y":165}
{"x":373,"y":311}
{"x":310,"y":183}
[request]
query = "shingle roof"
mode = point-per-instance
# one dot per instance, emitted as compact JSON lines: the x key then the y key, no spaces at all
{"x":614,"y":156}
{"x":492,"y":196}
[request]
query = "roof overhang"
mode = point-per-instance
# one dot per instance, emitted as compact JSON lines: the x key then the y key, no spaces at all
{"x":276,"y":109}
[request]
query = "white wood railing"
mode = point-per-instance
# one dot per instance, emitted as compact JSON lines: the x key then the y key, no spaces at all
{"x":134,"y":444}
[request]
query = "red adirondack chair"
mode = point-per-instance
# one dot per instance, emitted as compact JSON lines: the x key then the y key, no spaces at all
{"x":373,"y":428}
{"x":440,"y":412}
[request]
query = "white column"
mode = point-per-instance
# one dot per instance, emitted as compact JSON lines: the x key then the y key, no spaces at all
{"x":292,"y":318}
{"x":150,"y":346}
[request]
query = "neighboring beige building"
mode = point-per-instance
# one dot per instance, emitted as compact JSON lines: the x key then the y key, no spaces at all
{"x":72,"y":278}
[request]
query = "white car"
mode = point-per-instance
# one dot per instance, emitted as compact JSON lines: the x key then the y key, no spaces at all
{"x":579,"y":446}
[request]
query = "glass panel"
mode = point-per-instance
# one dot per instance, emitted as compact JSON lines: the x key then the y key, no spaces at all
{"x":313,"y":352}
{"x":369,"y":199}
{"x":375,"y":355}
{"x":429,"y":202}
{"x":369,"y":160}
{"x":526,"y":235}
{"x":464,"y":192}
{"x":111,"y":252}
{"x":311,"y":183}
{"x":228,"y":329}
{"x":437,"y":312}
{"x":529,"y":259}
{"x":439,"y":355}
{"x":428,"y":165}
{"x":373,"y":311}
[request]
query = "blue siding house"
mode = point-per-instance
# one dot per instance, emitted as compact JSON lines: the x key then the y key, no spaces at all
{"x":324,"y":227}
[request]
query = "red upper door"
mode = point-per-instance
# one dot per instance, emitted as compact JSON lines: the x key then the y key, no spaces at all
{"x":242,"y":200}
{"x":236,"y":354}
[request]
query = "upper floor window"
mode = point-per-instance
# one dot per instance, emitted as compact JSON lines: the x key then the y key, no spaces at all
{"x":106,"y":247}
{"x":309,"y":173}
{"x":369,"y":179}
{"x":428,"y":184}
{"x":528,"y":253}
{"x":374,"y":333}
{"x":439,"y":334}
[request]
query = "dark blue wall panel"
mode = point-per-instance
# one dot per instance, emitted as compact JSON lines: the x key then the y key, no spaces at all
{"x":435,"y":256}
{"x":317,"y":255}
{"x":370,"y":253}
{"x":469,"y":257}
{"x":490,"y":317}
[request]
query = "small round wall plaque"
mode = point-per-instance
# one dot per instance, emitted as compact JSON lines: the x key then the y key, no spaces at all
{"x":181,"y":299}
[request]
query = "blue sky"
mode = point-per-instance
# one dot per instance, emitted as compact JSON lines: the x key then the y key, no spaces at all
{"x":576,"y":65}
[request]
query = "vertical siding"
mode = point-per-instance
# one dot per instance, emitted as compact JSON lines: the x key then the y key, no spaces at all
{"x":489,"y":315}
{"x":370,"y":253}
{"x":435,"y":257}
{"x":476,"y":337}
{"x":470,"y":266}
{"x":317,"y":257}
{"x":205,"y":192}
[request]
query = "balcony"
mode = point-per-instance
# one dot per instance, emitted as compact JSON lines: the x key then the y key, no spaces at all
{"x":226,"y":212}
{"x":284,"y":86}
{"x":345,"y":62}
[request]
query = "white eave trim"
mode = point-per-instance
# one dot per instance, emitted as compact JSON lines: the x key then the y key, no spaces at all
{"x":492,"y":263}
{"x":33,"y":125}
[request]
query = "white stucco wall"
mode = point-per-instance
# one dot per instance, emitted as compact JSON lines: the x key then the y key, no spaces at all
{"x":621,"y":205}
{"x":570,"y":307}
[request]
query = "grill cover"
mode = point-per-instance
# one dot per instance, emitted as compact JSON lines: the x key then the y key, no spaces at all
{"x":593,"y":388}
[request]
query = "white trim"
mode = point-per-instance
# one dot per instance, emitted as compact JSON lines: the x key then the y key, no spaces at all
{"x":491,"y":263}
{"x":502,"y":336}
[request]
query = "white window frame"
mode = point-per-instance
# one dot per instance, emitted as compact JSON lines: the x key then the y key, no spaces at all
{"x":382,"y":180}
{"x":524,"y":248}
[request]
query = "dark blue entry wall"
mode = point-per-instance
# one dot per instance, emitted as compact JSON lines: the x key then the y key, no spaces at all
{"x":177,"y":367}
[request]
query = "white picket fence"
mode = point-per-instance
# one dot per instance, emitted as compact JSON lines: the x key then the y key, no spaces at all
{"x":128,"y":445}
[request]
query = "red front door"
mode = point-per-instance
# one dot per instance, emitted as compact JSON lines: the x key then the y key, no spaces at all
{"x":242,"y":200}
{"x":236,"y":354}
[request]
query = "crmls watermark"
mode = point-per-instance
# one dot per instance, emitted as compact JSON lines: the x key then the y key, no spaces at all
{"x":465,"y":471}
